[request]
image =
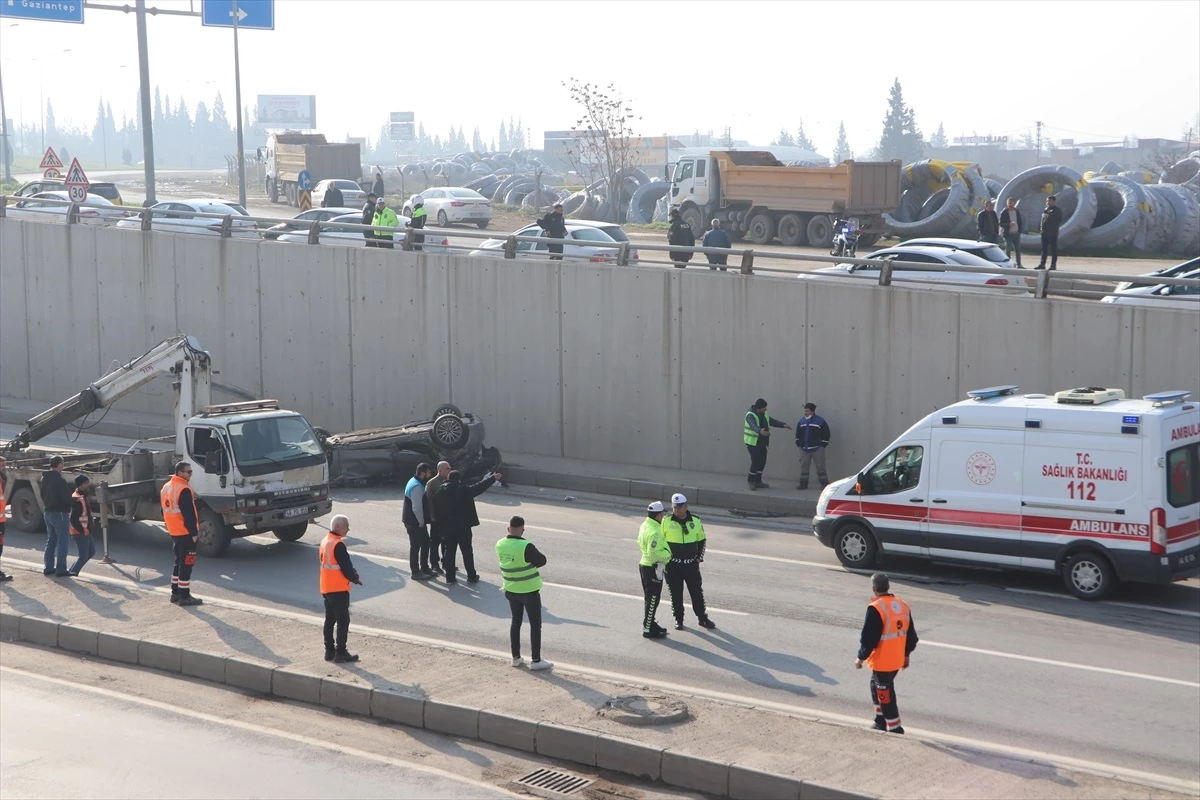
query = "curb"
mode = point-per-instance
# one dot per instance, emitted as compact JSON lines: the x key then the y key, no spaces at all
{"x":578,"y":745}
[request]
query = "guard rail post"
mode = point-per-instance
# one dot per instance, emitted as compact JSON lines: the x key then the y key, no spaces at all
{"x":145,"y":214}
{"x":623,"y":254}
{"x":1043,"y":283}
{"x":407,"y":243}
{"x":747,"y":262}
{"x":73,"y":213}
{"x":3,"y":207}
{"x":227,"y":226}
{"x":510,"y":247}
{"x":885,"y":274}
{"x":314,"y":233}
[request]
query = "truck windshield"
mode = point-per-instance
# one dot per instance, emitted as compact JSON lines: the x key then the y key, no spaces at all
{"x":273,"y":443}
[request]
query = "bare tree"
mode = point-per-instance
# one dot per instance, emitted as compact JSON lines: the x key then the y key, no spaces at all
{"x":604,"y":142}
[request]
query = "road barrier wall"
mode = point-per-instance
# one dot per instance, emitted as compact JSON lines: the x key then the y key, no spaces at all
{"x":591,"y":361}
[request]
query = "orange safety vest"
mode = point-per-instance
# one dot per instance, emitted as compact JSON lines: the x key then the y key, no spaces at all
{"x":332,"y":579}
{"x":170,"y":506}
{"x":888,"y":655}
{"x":85,"y":517}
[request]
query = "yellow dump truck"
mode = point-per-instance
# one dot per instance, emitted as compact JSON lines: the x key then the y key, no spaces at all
{"x":290,"y":154}
{"x":756,"y":196}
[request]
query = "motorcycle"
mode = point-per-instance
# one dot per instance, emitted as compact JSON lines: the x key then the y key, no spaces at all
{"x":845,"y":240}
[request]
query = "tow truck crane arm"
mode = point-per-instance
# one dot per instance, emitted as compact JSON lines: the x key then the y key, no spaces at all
{"x":175,"y":356}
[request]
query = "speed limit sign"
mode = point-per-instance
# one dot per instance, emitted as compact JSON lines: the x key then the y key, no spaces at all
{"x":77,"y":193}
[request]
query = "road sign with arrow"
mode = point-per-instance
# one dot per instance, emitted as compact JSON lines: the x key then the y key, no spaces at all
{"x":254,"y":14}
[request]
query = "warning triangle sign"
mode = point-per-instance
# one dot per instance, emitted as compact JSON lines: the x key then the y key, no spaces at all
{"x":50,"y":160}
{"x":75,"y":176}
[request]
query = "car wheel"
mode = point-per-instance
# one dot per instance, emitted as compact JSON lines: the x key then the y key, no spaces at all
{"x":291,"y":533}
{"x":855,"y":547}
{"x":215,"y":535}
{"x":483,"y":224}
{"x":1089,"y":576}
{"x":442,"y":219}
{"x":26,"y":513}
{"x":446,"y":408}
{"x":449,"y":431}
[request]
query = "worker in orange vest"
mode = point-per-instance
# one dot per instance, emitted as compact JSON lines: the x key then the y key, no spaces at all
{"x":3,"y":505}
{"x":183,"y":523}
{"x":888,"y":639}
{"x":337,"y":573}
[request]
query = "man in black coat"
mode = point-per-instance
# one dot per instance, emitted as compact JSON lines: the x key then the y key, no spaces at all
{"x":333,"y":197}
{"x":680,"y":233}
{"x":56,"y":502}
{"x":555,"y":227}
{"x":1011,"y":225}
{"x":377,"y":187}
{"x":988,"y":223}
{"x":1052,"y":218}
{"x":368,"y":218}
{"x":454,"y":506}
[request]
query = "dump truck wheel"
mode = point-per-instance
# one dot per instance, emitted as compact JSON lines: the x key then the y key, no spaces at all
{"x":820,"y":231}
{"x":761,"y":228}
{"x":792,"y":230}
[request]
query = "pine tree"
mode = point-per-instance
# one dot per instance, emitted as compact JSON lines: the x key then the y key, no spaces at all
{"x":504,"y":137}
{"x":841,"y":151}
{"x":939,"y":139}
{"x":51,"y":129}
{"x":901,"y":139}
{"x":784,"y":139}
{"x":158,"y":109}
{"x":476,"y":141}
{"x":802,"y":139}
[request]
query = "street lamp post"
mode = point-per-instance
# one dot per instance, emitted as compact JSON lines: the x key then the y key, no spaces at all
{"x":237,"y":92}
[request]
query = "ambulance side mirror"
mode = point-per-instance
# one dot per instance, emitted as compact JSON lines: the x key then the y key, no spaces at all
{"x":858,"y":485}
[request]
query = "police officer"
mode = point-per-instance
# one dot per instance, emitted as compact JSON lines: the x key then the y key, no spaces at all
{"x":416,"y":518}
{"x":685,"y":537}
{"x":417,"y":221}
{"x":756,"y":433}
{"x":337,"y":573}
{"x":888,"y":638}
{"x":655,"y":554}
{"x":519,"y":564}
{"x":183,"y":524}
{"x":384,"y":218}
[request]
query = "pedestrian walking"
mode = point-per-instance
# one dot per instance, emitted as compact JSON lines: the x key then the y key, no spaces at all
{"x":337,"y":573}
{"x":82,"y":524}
{"x":519,"y":565}
{"x":56,"y":507}
{"x":988,"y":223}
{"x":455,"y":502}
{"x":3,"y":505}
{"x":1052,"y":218}
{"x":183,"y":524}
{"x":655,"y":555}
{"x":681,"y":234}
{"x":377,"y":186}
{"x":333,"y":197}
{"x":812,"y":437}
{"x":888,"y":639}
{"x":756,"y":433}
{"x":384,"y":218}
{"x":555,"y":227}
{"x":437,"y":547}
{"x":416,"y":521}
{"x":1012,"y":224}
{"x":417,"y":221}
{"x":684,"y":533}
{"x":717,"y":237}
{"x":368,"y":218}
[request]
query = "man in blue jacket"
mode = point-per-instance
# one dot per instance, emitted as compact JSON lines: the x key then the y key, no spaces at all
{"x":715,"y":237}
{"x":812,"y":437}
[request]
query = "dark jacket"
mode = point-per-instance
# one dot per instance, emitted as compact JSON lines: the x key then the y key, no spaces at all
{"x":187,"y":509}
{"x":410,"y":516}
{"x":1006,"y":219}
{"x":680,"y":233}
{"x":56,"y":492}
{"x":377,"y":187}
{"x":1052,"y":218}
{"x":812,"y":433}
{"x":873,"y":629}
{"x":368,"y":218}
{"x":716,"y":237}
{"x":989,"y":224}
{"x":80,"y":507}
{"x":342,"y":556}
{"x":759,"y":422}
{"x":333,"y":198}
{"x":554,"y":225}
{"x":454,"y":506}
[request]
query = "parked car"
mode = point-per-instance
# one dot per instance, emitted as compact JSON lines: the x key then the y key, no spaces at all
{"x":985,"y":250}
{"x":454,"y":204}
{"x":1175,"y":271}
{"x":236,"y":206}
{"x":352,"y":194}
{"x":179,"y":216}
{"x":94,"y":210}
{"x":434,"y":243}
{"x":104,"y":189}
{"x":615,"y":231}
{"x":1163,"y":295}
{"x":299,"y":222}
{"x":934,"y":275}
{"x":594,"y":243}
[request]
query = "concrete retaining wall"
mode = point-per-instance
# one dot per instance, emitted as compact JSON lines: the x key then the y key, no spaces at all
{"x":583,"y":361}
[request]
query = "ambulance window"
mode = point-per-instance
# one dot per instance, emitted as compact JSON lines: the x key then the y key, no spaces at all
{"x":1183,"y":479}
{"x":898,"y":471}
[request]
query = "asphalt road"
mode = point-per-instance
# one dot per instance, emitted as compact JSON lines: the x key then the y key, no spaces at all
{"x":1005,"y":658}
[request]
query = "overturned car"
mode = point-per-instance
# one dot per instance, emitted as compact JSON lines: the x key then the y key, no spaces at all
{"x":377,"y":455}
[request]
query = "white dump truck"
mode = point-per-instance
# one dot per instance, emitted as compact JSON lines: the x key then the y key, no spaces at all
{"x":257,"y":467}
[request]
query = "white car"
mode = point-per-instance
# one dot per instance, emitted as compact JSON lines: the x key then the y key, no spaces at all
{"x":985,"y":250}
{"x":1175,"y":271}
{"x":94,"y":210}
{"x":934,"y":275}
{"x":594,"y":243}
{"x":179,"y":216}
{"x":1164,"y":295}
{"x":352,"y":194}
{"x":452,"y":204}
{"x":301,"y":220}
{"x":333,"y":234}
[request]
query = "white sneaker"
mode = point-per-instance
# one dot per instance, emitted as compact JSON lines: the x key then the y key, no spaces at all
{"x":539,"y":665}
{"x":518,"y":662}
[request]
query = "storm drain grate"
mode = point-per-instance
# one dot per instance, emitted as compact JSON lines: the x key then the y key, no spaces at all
{"x":551,"y":780}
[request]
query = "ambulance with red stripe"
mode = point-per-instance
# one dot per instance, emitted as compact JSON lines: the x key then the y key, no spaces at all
{"x":1084,"y":483}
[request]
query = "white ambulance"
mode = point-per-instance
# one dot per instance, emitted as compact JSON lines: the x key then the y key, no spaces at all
{"x":1085,"y":483}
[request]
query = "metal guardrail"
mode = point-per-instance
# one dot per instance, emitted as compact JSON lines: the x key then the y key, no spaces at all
{"x":1039,"y":283}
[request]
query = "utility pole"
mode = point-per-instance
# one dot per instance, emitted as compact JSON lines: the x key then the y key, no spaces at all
{"x":1039,"y":140}
{"x":237,"y":90}
{"x":147,"y":111}
{"x":4,"y":138}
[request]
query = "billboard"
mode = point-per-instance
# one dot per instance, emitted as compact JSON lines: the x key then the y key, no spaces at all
{"x":402,"y":126}
{"x":287,"y":111}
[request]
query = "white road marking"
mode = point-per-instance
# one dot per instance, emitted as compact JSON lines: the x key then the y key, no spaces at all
{"x":1179,"y":612}
{"x":532,"y":527}
{"x":853,"y":721}
{"x":323,"y":744}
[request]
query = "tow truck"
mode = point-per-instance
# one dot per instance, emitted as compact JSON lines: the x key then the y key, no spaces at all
{"x":256,"y":467}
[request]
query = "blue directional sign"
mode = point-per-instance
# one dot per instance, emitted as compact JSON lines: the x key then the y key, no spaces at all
{"x":44,"y":10}
{"x":305,"y":180}
{"x":258,"y":14}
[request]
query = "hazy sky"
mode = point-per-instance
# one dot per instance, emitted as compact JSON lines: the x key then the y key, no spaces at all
{"x":1089,"y":70}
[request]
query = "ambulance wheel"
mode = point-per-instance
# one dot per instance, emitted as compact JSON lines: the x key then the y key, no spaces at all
{"x":855,"y":547}
{"x":1089,"y":576}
